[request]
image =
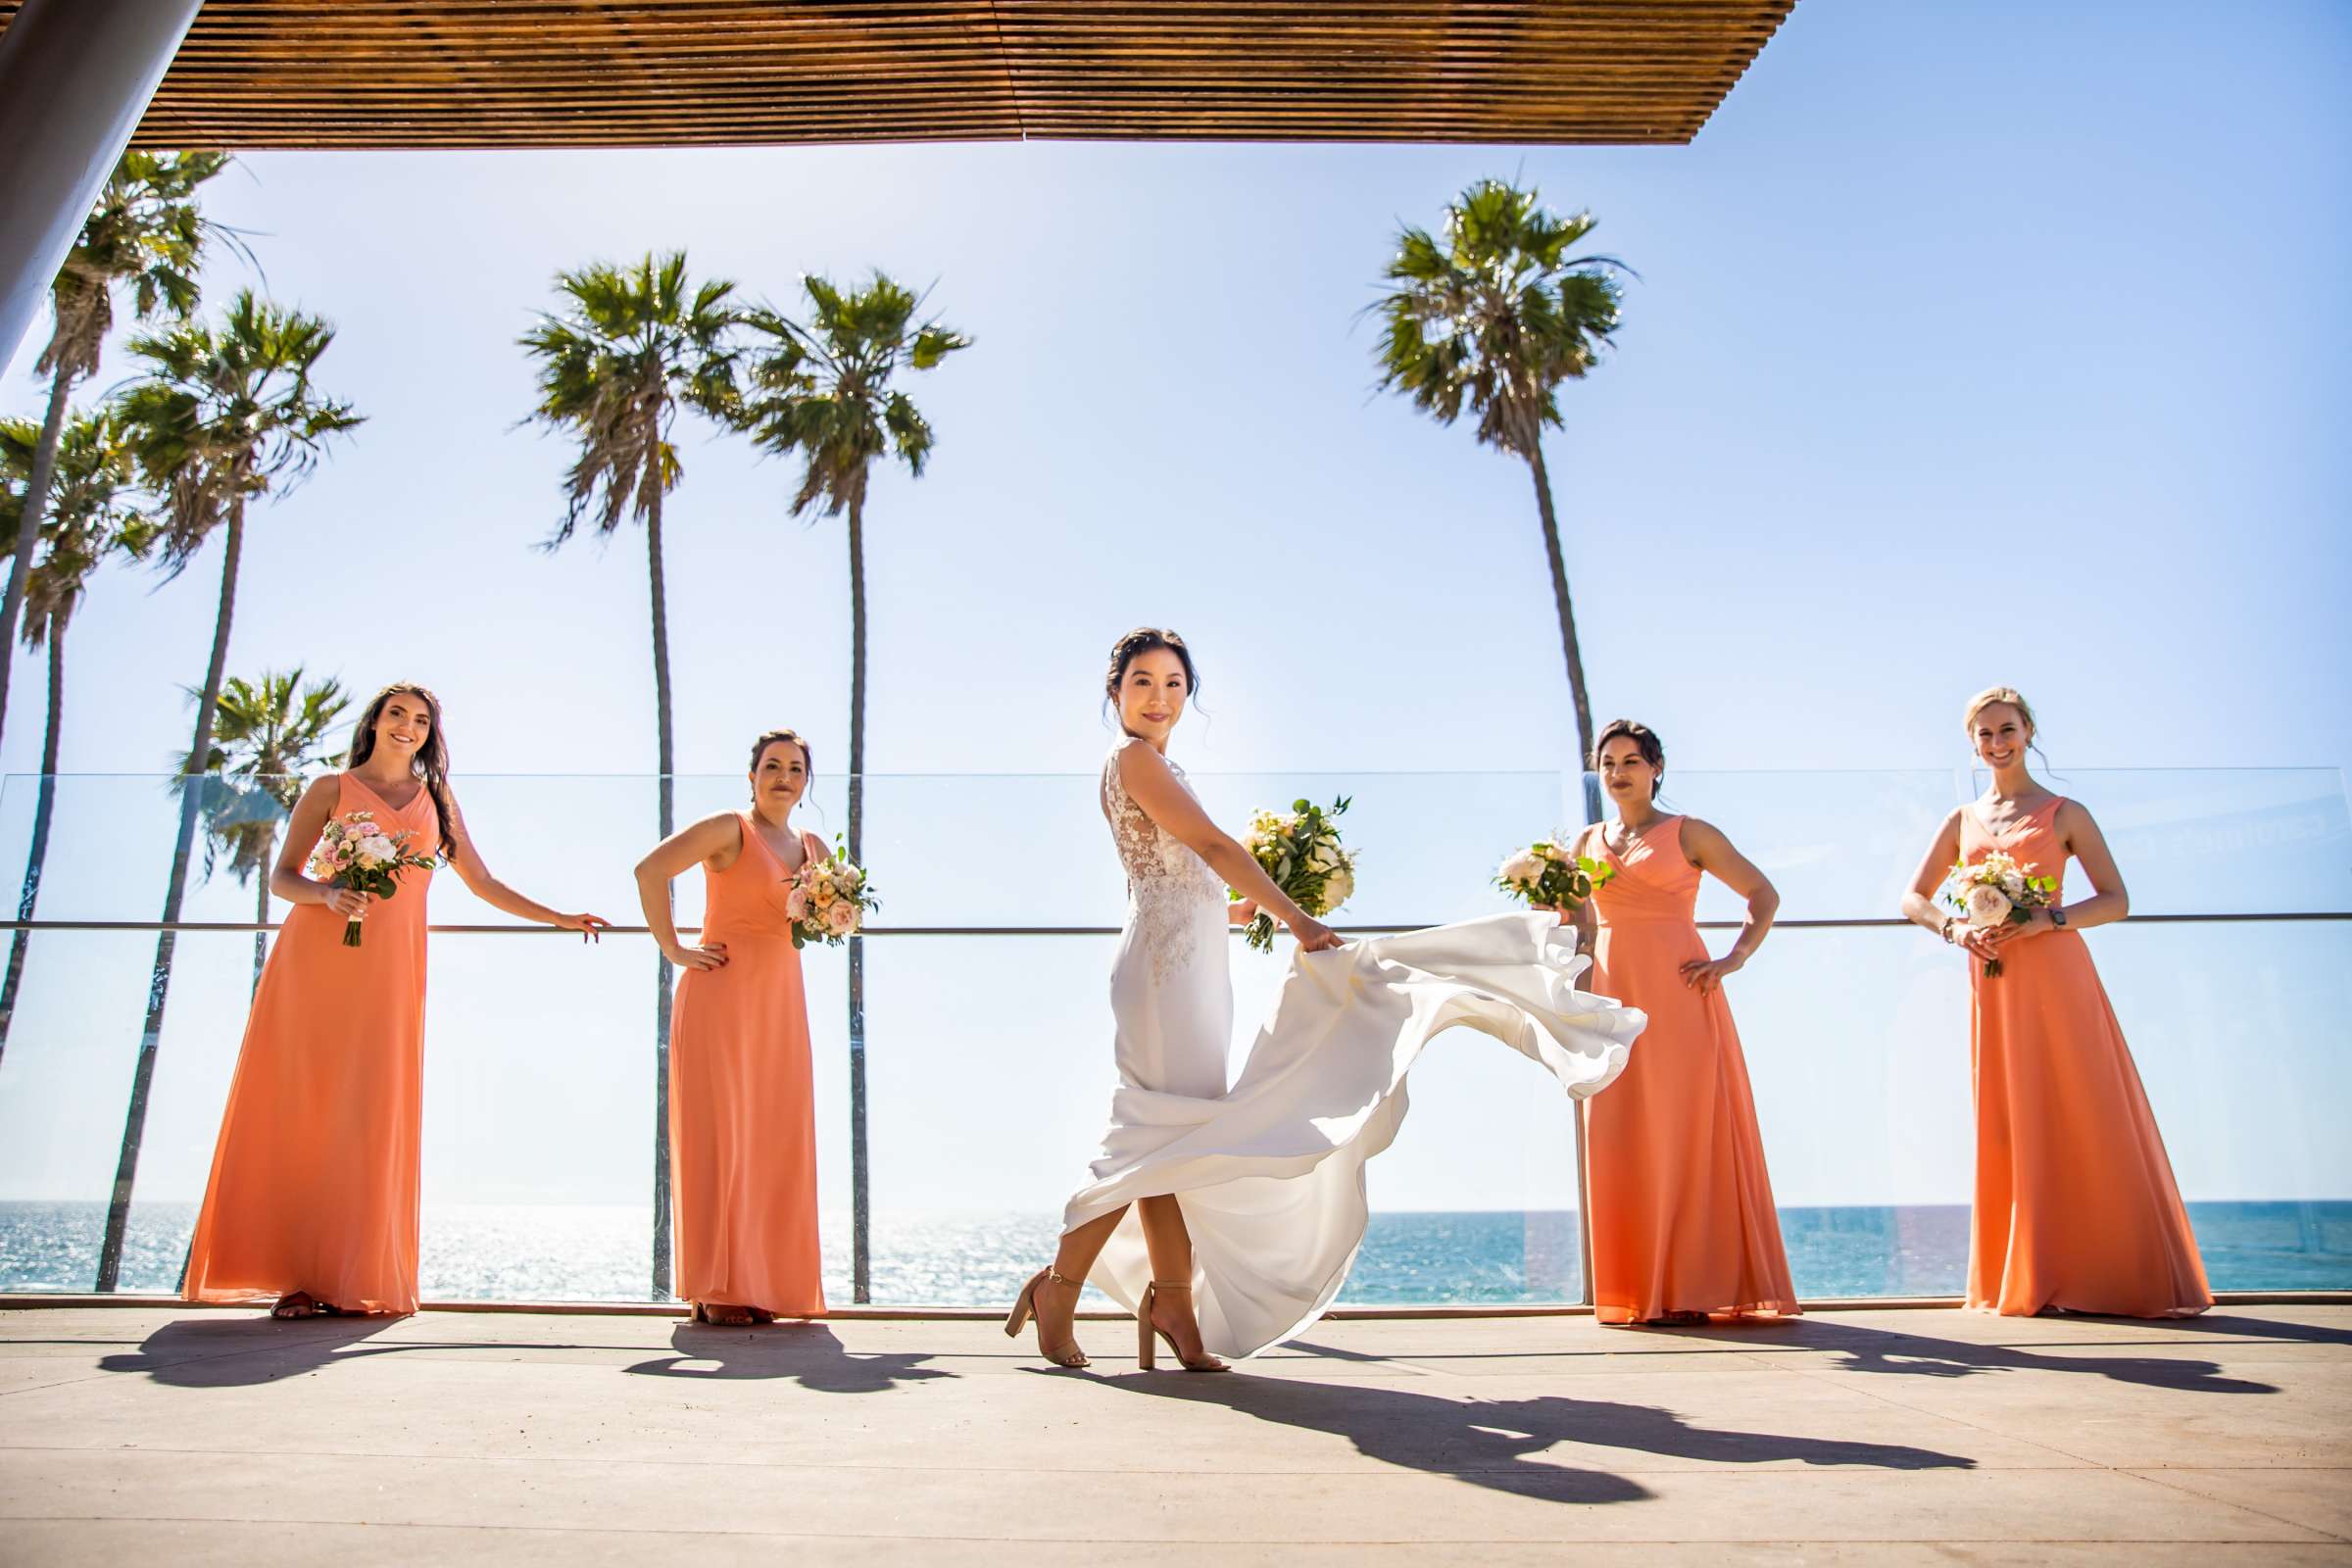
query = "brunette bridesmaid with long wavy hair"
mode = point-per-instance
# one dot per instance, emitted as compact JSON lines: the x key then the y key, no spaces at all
{"x":1684,"y":1225}
{"x":311,"y":1204}
{"x":2075,"y":1206}
{"x":742,"y":1112}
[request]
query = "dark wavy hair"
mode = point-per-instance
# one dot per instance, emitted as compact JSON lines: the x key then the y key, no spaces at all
{"x":1137,"y":643}
{"x":431,"y":765}
{"x":1645,"y":740}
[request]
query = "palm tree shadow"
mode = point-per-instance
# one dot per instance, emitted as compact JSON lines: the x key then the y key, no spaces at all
{"x":1501,"y":1443}
{"x":806,"y":1352}
{"x":217,"y":1353}
{"x":1886,"y":1350}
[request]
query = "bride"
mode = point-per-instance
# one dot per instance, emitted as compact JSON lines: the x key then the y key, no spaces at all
{"x":1227,"y":1222}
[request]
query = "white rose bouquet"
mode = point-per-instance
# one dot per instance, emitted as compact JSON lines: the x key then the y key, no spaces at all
{"x":1546,"y":875}
{"x":1996,"y":891}
{"x":827,"y":900}
{"x":353,"y":853}
{"x":1303,"y":854}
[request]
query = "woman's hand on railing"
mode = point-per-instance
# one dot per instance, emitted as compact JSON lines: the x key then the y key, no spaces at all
{"x":589,"y":926}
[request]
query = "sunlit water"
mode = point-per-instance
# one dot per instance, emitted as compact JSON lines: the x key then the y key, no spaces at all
{"x":554,"y":1252}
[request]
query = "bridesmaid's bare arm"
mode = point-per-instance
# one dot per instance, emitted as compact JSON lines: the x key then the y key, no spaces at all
{"x":2109,"y":902}
{"x":716,"y":840}
{"x":287,"y":879}
{"x":1147,"y":777}
{"x":1587,"y":924}
{"x":1918,"y":902}
{"x":1706,"y":848}
{"x":466,"y":860}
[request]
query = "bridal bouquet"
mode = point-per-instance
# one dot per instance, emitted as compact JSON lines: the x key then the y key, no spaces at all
{"x":353,"y":853}
{"x":1302,"y":853}
{"x":1546,"y":875}
{"x":828,"y":899}
{"x":1996,"y":891}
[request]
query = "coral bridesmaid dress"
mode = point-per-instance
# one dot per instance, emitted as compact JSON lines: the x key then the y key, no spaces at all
{"x":1683,"y":1219}
{"x":313,"y":1183}
{"x":742,"y":1118}
{"x":2075,"y":1203}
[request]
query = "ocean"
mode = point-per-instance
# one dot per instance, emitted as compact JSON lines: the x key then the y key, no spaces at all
{"x":554,"y":1252}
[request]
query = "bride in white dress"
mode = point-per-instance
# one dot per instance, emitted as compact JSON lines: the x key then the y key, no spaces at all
{"x":1227,"y":1222}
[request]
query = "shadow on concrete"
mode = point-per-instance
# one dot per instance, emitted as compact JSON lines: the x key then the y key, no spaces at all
{"x":218,"y":1351}
{"x":1887,"y":1351}
{"x":1499,"y":1444}
{"x":805,"y":1352}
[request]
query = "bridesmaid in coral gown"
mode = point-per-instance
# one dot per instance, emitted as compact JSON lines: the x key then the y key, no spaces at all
{"x":742,"y":1112}
{"x":313,"y":1198}
{"x":2075,"y":1206}
{"x":1683,"y":1219}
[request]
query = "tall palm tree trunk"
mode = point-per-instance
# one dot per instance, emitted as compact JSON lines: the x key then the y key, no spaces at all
{"x":159,"y":983}
{"x":28,"y":528}
{"x":261,"y":912}
{"x":37,"y":854}
{"x":1569,"y":647}
{"x":663,"y":788}
{"x":1584,"y":752}
{"x":860,"y":1271}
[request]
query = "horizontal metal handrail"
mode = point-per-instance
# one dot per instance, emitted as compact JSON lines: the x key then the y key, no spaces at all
{"x":517,"y":928}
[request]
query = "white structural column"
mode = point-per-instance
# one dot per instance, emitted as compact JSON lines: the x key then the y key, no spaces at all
{"x":75,"y":77}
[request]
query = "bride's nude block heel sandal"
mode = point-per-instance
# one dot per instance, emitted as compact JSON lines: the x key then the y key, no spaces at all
{"x":1146,"y":1353}
{"x":1024,"y":1307}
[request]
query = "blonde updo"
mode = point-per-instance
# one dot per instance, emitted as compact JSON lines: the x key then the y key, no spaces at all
{"x":1997,"y":694}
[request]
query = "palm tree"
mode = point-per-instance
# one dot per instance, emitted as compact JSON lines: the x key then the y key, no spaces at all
{"x":145,"y":231}
{"x":222,"y":417}
{"x":266,"y":735}
{"x":631,"y":347}
{"x":90,"y":518}
{"x":825,"y":392}
{"x":1492,"y":315}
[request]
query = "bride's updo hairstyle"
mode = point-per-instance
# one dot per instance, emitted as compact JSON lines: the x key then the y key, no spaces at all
{"x":1645,"y":741}
{"x":1137,"y":643}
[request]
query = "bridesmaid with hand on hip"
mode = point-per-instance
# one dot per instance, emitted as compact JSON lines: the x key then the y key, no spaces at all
{"x":313,"y":1197}
{"x":742,"y":1116}
{"x":2076,"y":1207}
{"x":1683,"y":1219}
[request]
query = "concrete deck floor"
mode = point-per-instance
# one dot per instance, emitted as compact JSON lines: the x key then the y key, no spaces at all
{"x":150,"y":1436}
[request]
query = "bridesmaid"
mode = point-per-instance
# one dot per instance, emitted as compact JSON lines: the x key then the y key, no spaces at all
{"x":742,"y":1118}
{"x":1683,"y":1218}
{"x":313,"y":1195}
{"x":2075,"y":1206}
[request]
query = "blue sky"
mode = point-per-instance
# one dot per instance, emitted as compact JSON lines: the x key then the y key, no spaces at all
{"x":1971,"y":343}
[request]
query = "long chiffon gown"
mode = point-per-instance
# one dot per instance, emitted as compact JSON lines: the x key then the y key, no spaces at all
{"x":1270,"y":1176}
{"x":314,"y":1181}
{"x":2075,"y":1203}
{"x":742,"y":1113}
{"x":1683,"y":1217}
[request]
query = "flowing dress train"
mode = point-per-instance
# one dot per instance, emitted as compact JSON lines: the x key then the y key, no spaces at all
{"x":1270,"y":1175}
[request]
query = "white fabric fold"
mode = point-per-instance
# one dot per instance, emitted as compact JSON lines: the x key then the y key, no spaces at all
{"x":1271,"y":1176}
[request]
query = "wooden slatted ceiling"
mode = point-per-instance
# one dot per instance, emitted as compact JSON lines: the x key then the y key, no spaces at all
{"x":386,"y":73}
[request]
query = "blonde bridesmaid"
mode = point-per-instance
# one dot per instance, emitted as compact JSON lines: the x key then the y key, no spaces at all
{"x":312,"y":1203}
{"x":1683,"y":1219}
{"x":742,"y":1113}
{"x":2075,"y":1205}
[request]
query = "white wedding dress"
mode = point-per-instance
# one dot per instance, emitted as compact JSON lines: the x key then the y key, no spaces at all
{"x":1271,"y":1175}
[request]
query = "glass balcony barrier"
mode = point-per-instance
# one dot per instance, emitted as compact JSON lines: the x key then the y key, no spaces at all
{"x":987,"y":1031}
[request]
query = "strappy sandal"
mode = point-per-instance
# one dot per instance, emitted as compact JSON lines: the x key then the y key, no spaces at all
{"x":1145,"y":1350}
{"x":702,"y":1314}
{"x":296,"y":1305}
{"x":1024,"y":1307}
